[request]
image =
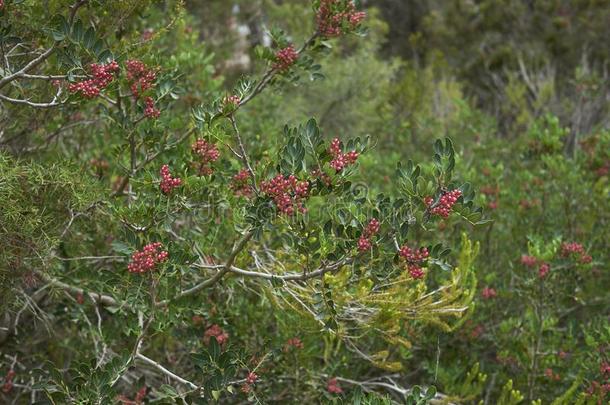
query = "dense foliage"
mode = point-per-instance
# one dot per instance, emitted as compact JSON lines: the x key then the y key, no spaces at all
{"x":304,"y":201}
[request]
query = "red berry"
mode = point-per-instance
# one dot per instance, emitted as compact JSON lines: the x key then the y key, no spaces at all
{"x":445,"y":203}
{"x":340,"y":159}
{"x":287,"y":193}
{"x":284,"y":58}
{"x":335,"y":17}
{"x":333,"y":386}
{"x":150,"y":111}
{"x":146,"y":259}
{"x":215,"y":331}
{"x":543,"y":270}
{"x":168,"y":183}
{"x":488,"y":293}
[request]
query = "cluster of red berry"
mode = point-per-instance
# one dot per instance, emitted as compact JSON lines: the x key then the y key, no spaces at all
{"x":445,"y":203}
{"x":333,"y":386}
{"x":240,"y":185}
{"x":532,"y":261}
{"x":250,"y":380}
{"x":598,"y":389}
{"x":489,"y":293}
{"x":287,"y":193}
{"x":139,"y":76}
{"x":284,"y":58}
{"x":543,"y":269}
{"x":102,"y":74}
{"x":340,"y":159}
{"x":529,"y":261}
{"x":168,"y":183}
{"x":364,"y":243}
{"x":138,"y":399}
{"x":575,"y":249}
{"x":601,"y":389}
{"x":293,"y":342}
{"x":150,"y":111}
{"x":146,"y":259}
{"x":414,"y":259}
{"x":207,"y":153}
{"x":215,"y":331}
{"x":336,"y":17}
{"x":8,"y":381}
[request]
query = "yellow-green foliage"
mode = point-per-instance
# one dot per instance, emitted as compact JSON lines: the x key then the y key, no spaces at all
{"x":364,"y":310}
{"x":37,"y":202}
{"x":510,"y":396}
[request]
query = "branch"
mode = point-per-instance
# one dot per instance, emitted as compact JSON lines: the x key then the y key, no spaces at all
{"x":45,"y":55}
{"x":33,"y":63}
{"x":167,"y":372}
{"x":243,"y":155}
{"x":51,"y":77}
{"x":31,"y":103}
{"x":149,"y":159}
{"x":285,"y":277}
{"x":270,"y":74}
{"x":225,"y":269}
{"x":97,"y":297}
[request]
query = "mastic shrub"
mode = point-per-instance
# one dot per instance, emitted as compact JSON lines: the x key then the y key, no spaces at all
{"x":281,"y":202}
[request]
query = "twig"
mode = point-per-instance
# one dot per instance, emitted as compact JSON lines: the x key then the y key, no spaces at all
{"x":270,"y":74}
{"x":244,"y":155}
{"x":31,"y":103}
{"x":211,"y":281}
{"x":167,"y":372}
{"x":285,"y":277}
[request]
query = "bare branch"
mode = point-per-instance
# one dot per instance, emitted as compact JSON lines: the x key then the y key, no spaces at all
{"x":167,"y":372}
{"x":31,"y":103}
{"x":244,"y":154}
{"x":227,"y":267}
{"x":33,"y":63}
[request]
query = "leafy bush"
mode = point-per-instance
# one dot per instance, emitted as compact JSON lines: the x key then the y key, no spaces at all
{"x":176,"y":227}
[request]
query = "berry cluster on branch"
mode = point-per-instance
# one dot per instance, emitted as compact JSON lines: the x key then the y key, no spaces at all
{"x":445,"y":203}
{"x":337,"y":17}
{"x":146,"y":260}
{"x":414,"y":259}
{"x":341,"y":160}
{"x":240,"y":185}
{"x":364,"y":243}
{"x":168,"y":183}
{"x":207,"y":153}
{"x":103,"y":75}
{"x":284,"y":58}
{"x":287,"y":193}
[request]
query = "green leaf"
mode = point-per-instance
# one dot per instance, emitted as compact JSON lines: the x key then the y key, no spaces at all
{"x":214,"y":349}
